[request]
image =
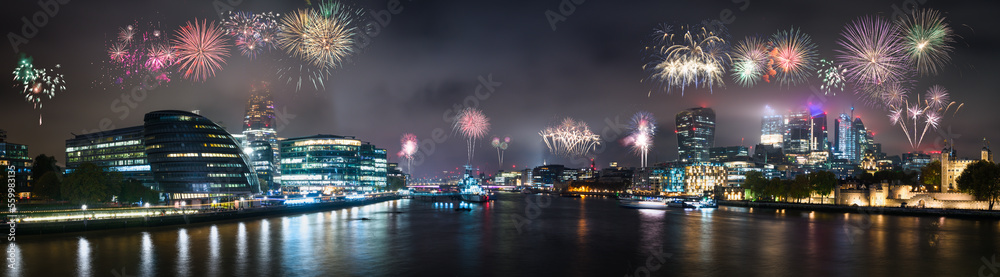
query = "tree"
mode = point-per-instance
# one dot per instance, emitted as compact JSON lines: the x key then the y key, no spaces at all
{"x":930,"y":175}
{"x":133,"y":191}
{"x":265,"y":186}
{"x":823,"y":182}
{"x":755,"y":184}
{"x":89,"y":183}
{"x":47,"y":186}
{"x":395,"y":183}
{"x":799,"y":188}
{"x":42,"y":165}
{"x":982,"y":180}
{"x":777,"y":188}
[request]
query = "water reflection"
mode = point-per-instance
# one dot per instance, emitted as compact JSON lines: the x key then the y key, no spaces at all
{"x":264,"y":260}
{"x":183,"y":253}
{"x":83,"y":260}
{"x":213,"y":251}
{"x":241,"y":249}
{"x":146,"y":255}
{"x":591,"y":236}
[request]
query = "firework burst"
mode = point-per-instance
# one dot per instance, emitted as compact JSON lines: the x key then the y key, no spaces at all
{"x":750,"y":58}
{"x":873,"y":52}
{"x":330,"y":38}
{"x":927,"y":40}
{"x":201,"y":49}
{"x":144,"y":56}
{"x":253,"y":32}
{"x":937,"y":97}
{"x":793,"y":56}
{"x":38,"y":83}
{"x":929,"y":113}
{"x":831,"y":76}
{"x":473,"y":125}
{"x":642,"y":129}
{"x":695,"y":57}
{"x":501,"y":146}
{"x":126,"y":34}
{"x":159,"y":57}
{"x":570,"y":138}
{"x":408,"y":147}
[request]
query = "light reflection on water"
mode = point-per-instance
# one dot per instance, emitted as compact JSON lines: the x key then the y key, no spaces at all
{"x":83,"y":261}
{"x":588,"y":236}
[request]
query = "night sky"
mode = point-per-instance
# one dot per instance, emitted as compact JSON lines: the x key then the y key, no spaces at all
{"x":431,"y":55}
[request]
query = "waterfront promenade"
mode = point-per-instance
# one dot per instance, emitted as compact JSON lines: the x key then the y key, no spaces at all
{"x":81,"y":220}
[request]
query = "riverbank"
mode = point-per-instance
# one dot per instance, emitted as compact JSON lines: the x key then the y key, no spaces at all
{"x":156,"y":221}
{"x":953,"y":213}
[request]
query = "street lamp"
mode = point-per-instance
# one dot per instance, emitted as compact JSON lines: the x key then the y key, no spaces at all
{"x":84,"y":207}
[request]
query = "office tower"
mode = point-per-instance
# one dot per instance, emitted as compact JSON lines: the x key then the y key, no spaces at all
{"x":695,"y":134}
{"x":331,"y":164}
{"x":844,"y":142}
{"x":859,"y":139}
{"x":258,"y":125}
{"x":797,"y":132}
{"x":772,"y":128}
{"x":185,"y":156}
{"x":819,"y":140}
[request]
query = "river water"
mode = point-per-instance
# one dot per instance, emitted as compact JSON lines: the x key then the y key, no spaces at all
{"x":520,"y":235}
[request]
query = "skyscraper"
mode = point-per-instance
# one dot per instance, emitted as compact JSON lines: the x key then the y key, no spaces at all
{"x":818,"y":141}
{"x":844,"y":142}
{"x":258,"y":126}
{"x":797,"y":132}
{"x":859,"y":139}
{"x":695,"y":134}
{"x":772,"y":128}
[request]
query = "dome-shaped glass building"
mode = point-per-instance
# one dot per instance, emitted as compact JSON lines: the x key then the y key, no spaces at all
{"x":192,"y":157}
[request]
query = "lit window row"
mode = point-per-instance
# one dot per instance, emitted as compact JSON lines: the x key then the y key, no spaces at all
{"x":203,"y":155}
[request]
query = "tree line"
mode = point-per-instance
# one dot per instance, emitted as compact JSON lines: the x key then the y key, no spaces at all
{"x":88,"y":184}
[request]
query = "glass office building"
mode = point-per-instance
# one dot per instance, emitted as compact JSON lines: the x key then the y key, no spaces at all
{"x":331,"y":164}
{"x":119,"y":150}
{"x":181,"y":154}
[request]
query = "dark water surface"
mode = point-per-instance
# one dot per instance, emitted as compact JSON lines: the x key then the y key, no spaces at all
{"x":520,"y":235}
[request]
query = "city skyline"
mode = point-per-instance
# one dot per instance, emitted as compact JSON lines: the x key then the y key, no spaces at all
{"x":363,"y":94}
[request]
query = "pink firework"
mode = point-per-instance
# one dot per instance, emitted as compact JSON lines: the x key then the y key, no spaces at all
{"x":473,"y":124}
{"x":643,"y":130}
{"x":118,"y":52}
{"x":201,"y":49}
{"x":159,"y":56}
{"x":408,"y":145}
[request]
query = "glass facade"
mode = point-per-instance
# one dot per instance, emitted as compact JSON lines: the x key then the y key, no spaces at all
{"x":261,"y":154}
{"x":329,"y":163}
{"x":259,"y":125}
{"x":121,"y":150}
{"x":13,"y":154}
{"x":191,"y":156}
{"x":180,"y":154}
{"x":695,"y":134}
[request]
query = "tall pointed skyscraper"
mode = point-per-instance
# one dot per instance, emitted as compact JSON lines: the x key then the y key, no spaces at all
{"x":259,"y":131}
